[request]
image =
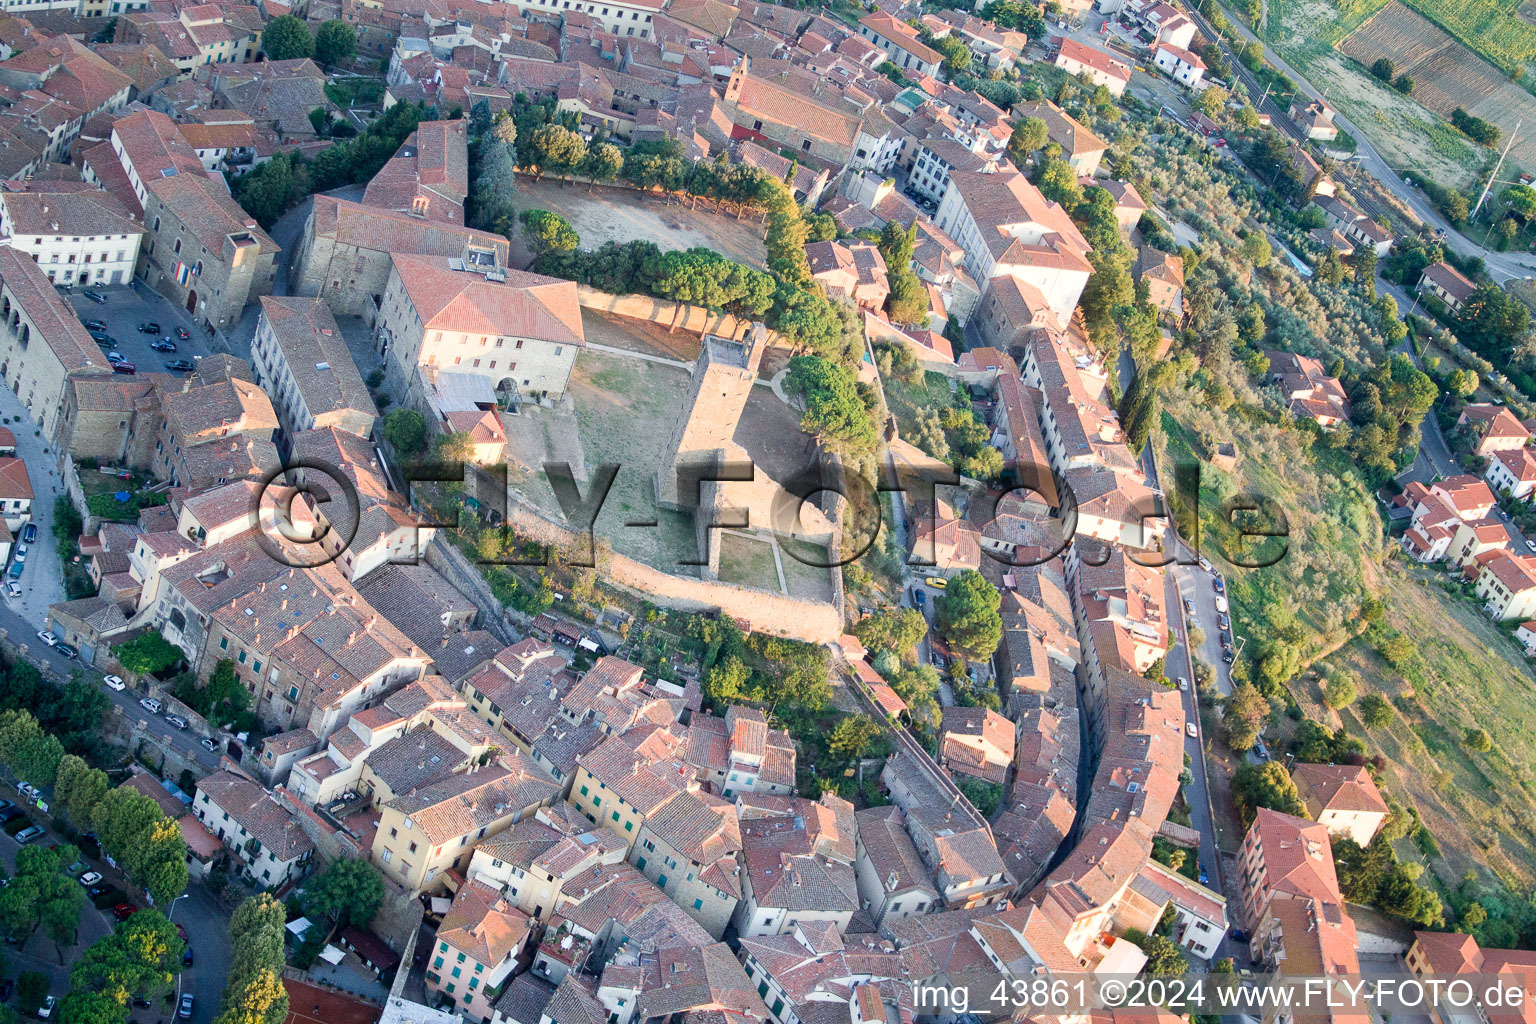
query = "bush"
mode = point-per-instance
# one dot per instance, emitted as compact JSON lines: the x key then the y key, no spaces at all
{"x":1375,"y":711}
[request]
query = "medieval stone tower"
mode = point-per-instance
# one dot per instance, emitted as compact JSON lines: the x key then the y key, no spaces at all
{"x":701,"y":436}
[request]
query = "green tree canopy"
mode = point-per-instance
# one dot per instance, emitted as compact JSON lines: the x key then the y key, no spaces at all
{"x":968,"y":617}
{"x":548,"y":231}
{"x":1266,"y":784}
{"x":287,"y":38}
{"x":406,"y":431}
{"x":336,"y":41}
{"x":147,"y":654}
{"x":834,"y":409}
{"x":1244,"y":716}
{"x":348,"y":893}
{"x":891,"y":629}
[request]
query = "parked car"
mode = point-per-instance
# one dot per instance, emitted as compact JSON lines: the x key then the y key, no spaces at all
{"x":7,"y":986}
{"x":93,"y":325}
{"x":103,"y":896}
{"x":186,"y":957}
{"x":183,"y":334}
{"x":1183,"y":684}
{"x":1189,"y":727}
{"x":123,"y":366}
{"x":67,"y":651}
{"x":1217,"y":585}
{"x":179,"y":364}
{"x":75,"y":869}
{"x":115,"y":356}
{"x":163,"y":345}
{"x":9,"y":815}
{"x":16,"y":568}
{"x":115,"y":683}
{"x":48,"y":638}
{"x":104,"y":340}
{"x":937,"y":582}
{"x":210,"y":745}
{"x":29,"y":533}
{"x":46,"y":1010}
{"x":149,"y":327}
{"x":90,"y":878}
{"x":12,"y":589}
{"x":184,"y":1010}
{"x":150,"y":704}
{"x":94,"y":296}
{"x":1227,"y":656}
{"x":6,"y":803}
{"x":123,"y":911}
{"x":177,"y":721}
{"x":26,"y":835}
{"x":21,"y":553}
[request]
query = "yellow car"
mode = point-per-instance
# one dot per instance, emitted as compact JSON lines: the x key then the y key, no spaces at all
{"x":937,"y":582}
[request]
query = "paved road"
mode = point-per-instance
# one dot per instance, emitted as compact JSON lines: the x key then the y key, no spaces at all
{"x":1501,"y":265}
{"x":128,"y":307}
{"x":57,"y":669}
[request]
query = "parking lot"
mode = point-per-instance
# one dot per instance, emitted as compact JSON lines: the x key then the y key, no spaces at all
{"x":129,"y":306}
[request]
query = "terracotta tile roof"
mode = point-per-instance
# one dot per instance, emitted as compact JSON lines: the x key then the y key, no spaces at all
{"x":1340,"y":787}
{"x":524,"y":305}
{"x":483,"y":925}
{"x":254,"y":809}
{"x":1097,"y":59}
{"x":52,"y":319}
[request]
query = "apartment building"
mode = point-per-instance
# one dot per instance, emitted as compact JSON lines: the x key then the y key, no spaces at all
{"x":626,"y":778}
{"x":76,"y":233}
{"x":1494,"y":427}
{"x":977,"y":742}
{"x":812,"y":971}
{"x":42,"y":345}
{"x":1080,"y":148}
{"x":518,"y":331}
{"x":892,"y":881}
{"x":901,"y":44}
{"x":691,"y":848}
{"x":301,"y":360}
{"x":1512,"y":472}
{"x":1506,"y":584}
{"x":195,"y":34}
{"x":1447,"y":284}
{"x":534,"y":860}
{"x":428,"y":831}
{"x":1102,"y":69}
{"x":1342,"y":797}
{"x":1284,"y":857}
{"x":260,"y":834}
{"x":799,"y":868}
{"x":204,"y":252}
{"x":476,"y":948}
{"x":15,"y":493}
{"x":1009,"y":229}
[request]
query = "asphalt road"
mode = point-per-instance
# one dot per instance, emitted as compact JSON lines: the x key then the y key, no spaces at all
{"x":57,"y":669}
{"x":128,"y":307}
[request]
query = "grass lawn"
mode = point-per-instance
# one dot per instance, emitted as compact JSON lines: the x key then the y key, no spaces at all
{"x":624,"y":413}
{"x":906,"y":399}
{"x":345,"y":92}
{"x":747,"y":561}
{"x":1480,"y":808}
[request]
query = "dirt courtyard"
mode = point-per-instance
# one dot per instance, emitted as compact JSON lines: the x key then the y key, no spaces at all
{"x":610,"y":214}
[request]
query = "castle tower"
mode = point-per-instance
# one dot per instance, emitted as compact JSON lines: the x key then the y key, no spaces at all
{"x":722,"y":380}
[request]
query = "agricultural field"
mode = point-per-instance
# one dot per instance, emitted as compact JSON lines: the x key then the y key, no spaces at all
{"x":1446,"y":74}
{"x":1406,"y":133}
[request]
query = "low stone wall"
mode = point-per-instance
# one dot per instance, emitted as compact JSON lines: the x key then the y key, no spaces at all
{"x":675,"y":316}
{"x":769,"y":612}
{"x":451,"y":564}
